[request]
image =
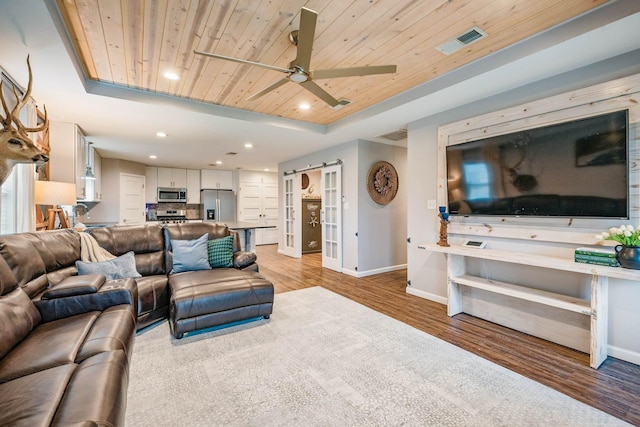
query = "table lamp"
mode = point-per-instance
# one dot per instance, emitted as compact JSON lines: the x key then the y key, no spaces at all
{"x":55,"y":193}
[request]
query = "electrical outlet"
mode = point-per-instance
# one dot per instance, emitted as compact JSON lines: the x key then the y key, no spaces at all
{"x":431,"y":204}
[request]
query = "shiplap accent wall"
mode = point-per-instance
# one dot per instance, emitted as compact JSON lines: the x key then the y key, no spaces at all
{"x":600,"y":99}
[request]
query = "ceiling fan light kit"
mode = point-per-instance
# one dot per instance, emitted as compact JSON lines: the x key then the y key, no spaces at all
{"x":299,"y":69}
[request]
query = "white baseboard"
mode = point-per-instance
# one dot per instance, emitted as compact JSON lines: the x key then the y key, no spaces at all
{"x":375,"y":271}
{"x":427,"y":295}
{"x":622,"y":354}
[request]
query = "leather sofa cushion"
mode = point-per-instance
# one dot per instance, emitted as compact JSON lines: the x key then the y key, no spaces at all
{"x":147,"y":242}
{"x":70,"y":340}
{"x":96,"y":393}
{"x":113,"y":292}
{"x":50,"y":344}
{"x":111,"y":331}
{"x":193,"y":230}
{"x":93,"y":392}
{"x":31,"y":255}
{"x":75,"y":285}
{"x":209,"y":291}
{"x":18,"y":317}
{"x":22,"y":257}
{"x":33,"y":400}
{"x":242,"y":259}
{"x":8,"y":281}
{"x":153,"y":293}
{"x":58,"y":249}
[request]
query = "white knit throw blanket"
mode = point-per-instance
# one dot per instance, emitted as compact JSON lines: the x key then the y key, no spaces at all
{"x":90,"y":251}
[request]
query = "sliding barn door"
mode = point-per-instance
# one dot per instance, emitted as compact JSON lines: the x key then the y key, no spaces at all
{"x":292,"y":231}
{"x":331,"y":217}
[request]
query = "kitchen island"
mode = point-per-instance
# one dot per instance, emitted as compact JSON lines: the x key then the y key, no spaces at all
{"x":248,"y":228}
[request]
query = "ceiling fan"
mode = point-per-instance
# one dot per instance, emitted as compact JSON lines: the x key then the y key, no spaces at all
{"x":299,"y":69}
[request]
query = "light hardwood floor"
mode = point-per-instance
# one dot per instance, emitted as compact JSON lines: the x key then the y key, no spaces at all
{"x":614,"y":388}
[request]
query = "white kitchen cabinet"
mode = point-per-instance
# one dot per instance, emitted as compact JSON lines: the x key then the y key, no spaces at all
{"x":151,"y":186}
{"x":258,"y":203}
{"x":97,"y":171}
{"x":193,"y":186}
{"x":81,"y":165}
{"x":67,"y":141}
{"x":216,"y":179}
{"x":172,"y":178}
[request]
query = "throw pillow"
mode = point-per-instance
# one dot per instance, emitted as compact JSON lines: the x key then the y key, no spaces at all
{"x":190,"y":255}
{"x":221,"y":252}
{"x":122,"y":267}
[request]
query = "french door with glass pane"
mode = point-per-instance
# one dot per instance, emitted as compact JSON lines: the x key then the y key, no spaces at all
{"x":292,"y":235}
{"x":331,"y":217}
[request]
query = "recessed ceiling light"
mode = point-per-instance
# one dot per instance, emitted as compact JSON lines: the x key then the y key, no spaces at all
{"x":248,"y":145}
{"x":266,"y":169}
{"x":218,"y":162}
{"x":153,"y":156}
{"x":161,"y":134}
{"x":304,"y":106}
{"x":170,"y":75}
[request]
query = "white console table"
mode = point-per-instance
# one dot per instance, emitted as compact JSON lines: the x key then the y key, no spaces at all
{"x":595,"y":308}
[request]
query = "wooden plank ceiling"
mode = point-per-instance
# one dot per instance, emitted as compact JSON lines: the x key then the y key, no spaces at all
{"x":132,"y":43}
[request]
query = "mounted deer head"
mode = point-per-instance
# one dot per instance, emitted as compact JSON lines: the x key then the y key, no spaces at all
{"x":15,"y":144}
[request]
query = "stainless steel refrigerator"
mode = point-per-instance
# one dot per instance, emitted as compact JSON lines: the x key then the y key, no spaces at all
{"x":219,"y":205}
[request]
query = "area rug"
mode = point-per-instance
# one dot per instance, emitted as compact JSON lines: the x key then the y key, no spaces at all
{"x":324,"y":360}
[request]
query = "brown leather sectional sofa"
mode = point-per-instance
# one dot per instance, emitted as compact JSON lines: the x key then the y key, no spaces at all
{"x":66,"y":340}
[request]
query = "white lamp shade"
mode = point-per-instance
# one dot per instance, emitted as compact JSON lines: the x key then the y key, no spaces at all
{"x":55,"y":193}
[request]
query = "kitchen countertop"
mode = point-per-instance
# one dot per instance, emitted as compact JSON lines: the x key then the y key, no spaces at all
{"x":243,"y":225}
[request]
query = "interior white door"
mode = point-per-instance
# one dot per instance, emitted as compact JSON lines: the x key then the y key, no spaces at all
{"x":331,"y":217}
{"x":292,"y":233}
{"x":132,"y":198}
{"x":270,"y":214}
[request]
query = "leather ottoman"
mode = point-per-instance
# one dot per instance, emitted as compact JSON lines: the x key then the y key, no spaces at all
{"x":205,"y":298}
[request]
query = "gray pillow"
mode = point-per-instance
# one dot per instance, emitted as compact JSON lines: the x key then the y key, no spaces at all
{"x":190,"y":255}
{"x":122,"y":267}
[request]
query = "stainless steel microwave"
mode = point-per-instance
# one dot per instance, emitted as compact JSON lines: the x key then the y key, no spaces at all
{"x":176,"y":195}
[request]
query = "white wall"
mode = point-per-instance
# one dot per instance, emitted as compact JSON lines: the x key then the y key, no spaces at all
{"x":427,"y":271}
{"x":382,"y":229}
{"x":108,"y":210}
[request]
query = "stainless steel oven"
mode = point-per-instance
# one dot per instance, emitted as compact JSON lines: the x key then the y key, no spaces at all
{"x":177,"y":195}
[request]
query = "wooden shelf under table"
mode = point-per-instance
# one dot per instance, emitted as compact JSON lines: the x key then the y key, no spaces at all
{"x":595,"y":308}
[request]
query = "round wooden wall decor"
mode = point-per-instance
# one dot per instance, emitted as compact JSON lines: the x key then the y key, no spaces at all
{"x":382,"y":182}
{"x":305,"y":181}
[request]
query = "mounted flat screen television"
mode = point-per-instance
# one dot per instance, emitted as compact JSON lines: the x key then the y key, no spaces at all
{"x":573,"y":169}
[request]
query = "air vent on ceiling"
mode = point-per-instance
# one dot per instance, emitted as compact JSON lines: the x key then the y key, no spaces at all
{"x":396,"y":135}
{"x":463,"y":39}
{"x":341,"y":104}
{"x":231,"y":153}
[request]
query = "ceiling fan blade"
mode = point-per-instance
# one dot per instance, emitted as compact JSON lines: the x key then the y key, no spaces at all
{"x":353,"y":71}
{"x":319,"y":92}
{"x":242,"y":61}
{"x":268,"y":89}
{"x":306,"y":33}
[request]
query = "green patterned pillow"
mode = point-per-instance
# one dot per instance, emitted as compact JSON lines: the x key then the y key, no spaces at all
{"x":221,"y":252}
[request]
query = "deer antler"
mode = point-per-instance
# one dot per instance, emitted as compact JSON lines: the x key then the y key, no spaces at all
{"x":15,"y":113}
{"x":15,"y":145}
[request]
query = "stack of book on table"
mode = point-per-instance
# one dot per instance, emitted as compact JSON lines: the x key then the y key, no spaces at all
{"x":597,"y":256}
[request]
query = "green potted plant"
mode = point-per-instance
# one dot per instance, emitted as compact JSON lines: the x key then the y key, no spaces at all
{"x":628,"y":251}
